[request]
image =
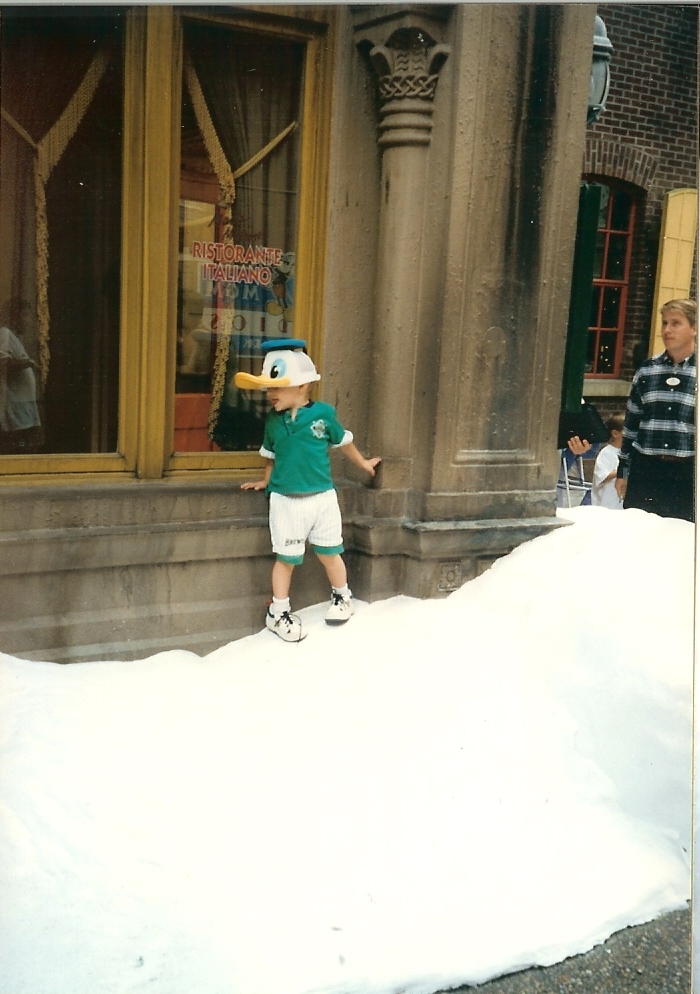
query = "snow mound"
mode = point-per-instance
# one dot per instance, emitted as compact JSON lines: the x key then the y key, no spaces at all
{"x":438,"y":793}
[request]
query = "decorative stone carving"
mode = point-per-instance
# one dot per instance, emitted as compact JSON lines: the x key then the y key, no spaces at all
{"x":407,"y":60}
{"x":408,"y":66}
{"x":450,"y":577}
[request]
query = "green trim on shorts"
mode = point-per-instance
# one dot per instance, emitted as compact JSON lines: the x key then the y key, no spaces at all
{"x":326,"y":550}
{"x":292,"y":560}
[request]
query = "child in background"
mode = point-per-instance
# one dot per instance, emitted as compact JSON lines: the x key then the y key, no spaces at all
{"x":603,"y":493}
{"x":299,"y":432}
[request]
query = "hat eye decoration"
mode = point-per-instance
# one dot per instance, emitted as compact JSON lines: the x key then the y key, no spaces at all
{"x":278,"y":369}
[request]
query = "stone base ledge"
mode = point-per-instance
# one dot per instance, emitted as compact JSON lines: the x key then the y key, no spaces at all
{"x":428,"y":539}
{"x":131,"y":503}
{"x":128,"y":633}
{"x":427,"y":559}
{"x":606,"y":388}
{"x":121,"y":574}
{"x":52,"y":550}
{"x":199,"y":644}
{"x":448,"y":506}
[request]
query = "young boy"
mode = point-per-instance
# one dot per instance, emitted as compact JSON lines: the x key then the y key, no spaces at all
{"x":603,"y":492}
{"x":299,"y":432}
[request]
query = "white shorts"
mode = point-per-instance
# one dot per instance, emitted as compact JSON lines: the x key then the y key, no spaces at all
{"x":296,"y":520}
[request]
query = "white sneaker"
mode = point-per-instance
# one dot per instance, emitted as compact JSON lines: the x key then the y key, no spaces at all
{"x":341,"y":609}
{"x":286,"y":625}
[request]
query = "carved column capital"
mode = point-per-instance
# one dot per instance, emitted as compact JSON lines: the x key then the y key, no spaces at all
{"x":402,"y":45}
{"x":407,"y":67}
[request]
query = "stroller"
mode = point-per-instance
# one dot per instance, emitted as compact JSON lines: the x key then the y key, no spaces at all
{"x":573,"y":490}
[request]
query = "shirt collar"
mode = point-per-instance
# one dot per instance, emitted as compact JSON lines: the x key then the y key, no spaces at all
{"x":688,"y":361}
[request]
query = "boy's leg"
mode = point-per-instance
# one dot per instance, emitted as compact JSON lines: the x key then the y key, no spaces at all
{"x":326,"y":539}
{"x":341,"y":607}
{"x":289,"y":552}
{"x":279,"y":618}
{"x":334,"y":566}
{"x":281,"y":579}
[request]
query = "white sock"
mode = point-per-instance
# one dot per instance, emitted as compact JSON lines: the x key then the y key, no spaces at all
{"x":279,"y":606}
{"x":343,"y":591}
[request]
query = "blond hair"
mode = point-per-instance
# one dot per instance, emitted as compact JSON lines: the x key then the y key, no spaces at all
{"x":687,"y":307}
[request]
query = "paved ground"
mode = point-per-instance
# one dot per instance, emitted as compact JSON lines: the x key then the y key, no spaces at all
{"x":648,"y":959}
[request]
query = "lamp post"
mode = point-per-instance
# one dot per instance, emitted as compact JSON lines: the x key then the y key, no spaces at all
{"x":600,"y":71}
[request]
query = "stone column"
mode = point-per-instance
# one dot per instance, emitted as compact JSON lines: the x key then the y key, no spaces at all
{"x":402,"y":46}
{"x":472,"y":284}
{"x":520,"y":114}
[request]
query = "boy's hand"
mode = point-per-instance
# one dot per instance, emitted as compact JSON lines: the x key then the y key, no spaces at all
{"x":351,"y":452}
{"x":255,"y":485}
{"x":620,"y":487}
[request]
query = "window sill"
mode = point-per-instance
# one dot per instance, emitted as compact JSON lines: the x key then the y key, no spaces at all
{"x":606,"y":388}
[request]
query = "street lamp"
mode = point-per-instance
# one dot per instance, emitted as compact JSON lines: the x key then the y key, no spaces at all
{"x":600,"y":71}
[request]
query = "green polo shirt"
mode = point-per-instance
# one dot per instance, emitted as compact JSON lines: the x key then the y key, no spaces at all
{"x":300,"y":448}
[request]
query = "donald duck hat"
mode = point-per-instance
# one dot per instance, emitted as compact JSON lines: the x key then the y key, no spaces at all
{"x":285,"y":365}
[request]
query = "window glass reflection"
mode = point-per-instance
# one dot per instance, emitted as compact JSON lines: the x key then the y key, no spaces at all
{"x":611,"y":307}
{"x":605,"y":362}
{"x":60,"y":214}
{"x":240,"y":148}
{"x":617,"y":257}
{"x":620,"y":212}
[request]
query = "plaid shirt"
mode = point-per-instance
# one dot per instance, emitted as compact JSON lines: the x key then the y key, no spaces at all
{"x":660,"y":418}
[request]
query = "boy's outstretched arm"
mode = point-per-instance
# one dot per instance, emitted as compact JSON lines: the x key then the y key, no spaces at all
{"x":351,"y":452}
{"x":260,"y":484}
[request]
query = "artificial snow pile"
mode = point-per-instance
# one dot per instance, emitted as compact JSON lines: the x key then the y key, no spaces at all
{"x":438,"y":793}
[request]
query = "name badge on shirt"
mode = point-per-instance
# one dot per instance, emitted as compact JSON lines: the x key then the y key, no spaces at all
{"x":672,"y":381}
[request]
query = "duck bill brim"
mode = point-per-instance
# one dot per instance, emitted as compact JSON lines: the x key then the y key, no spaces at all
{"x":246,"y":381}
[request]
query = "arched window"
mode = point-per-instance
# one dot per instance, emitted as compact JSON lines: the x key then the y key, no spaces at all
{"x":611,"y":274}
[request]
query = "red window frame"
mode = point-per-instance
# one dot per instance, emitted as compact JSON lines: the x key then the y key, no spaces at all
{"x":611,"y":279}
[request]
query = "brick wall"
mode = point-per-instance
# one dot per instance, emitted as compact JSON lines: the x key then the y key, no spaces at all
{"x":647,"y":135}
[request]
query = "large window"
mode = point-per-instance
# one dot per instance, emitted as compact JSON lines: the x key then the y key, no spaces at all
{"x":161,"y":212}
{"x":610,"y":280}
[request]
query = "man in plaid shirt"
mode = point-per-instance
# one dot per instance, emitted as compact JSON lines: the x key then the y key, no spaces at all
{"x":657,"y":461}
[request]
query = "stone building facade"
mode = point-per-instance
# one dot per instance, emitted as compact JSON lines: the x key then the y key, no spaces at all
{"x":396,"y":184}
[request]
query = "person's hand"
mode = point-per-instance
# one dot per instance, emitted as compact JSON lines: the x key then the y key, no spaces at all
{"x":579,"y":446}
{"x":620,"y":487}
{"x":254,"y":485}
{"x":370,"y":464}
